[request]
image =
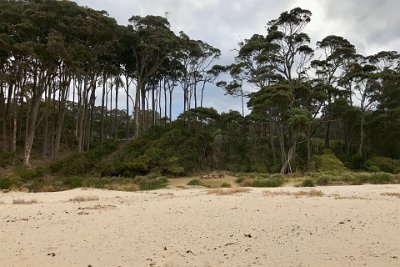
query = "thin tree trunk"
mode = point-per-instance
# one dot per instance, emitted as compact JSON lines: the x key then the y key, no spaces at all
{"x":116,"y":111}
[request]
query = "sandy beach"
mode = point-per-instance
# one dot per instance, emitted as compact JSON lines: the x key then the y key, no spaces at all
{"x":332,"y":226}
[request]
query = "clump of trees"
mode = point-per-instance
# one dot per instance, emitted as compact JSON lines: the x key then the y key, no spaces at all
{"x":57,"y":58}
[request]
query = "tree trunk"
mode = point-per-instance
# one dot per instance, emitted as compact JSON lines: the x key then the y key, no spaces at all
{"x":362,"y":136}
{"x":287,"y":168}
{"x":116,"y":112}
{"x":137,"y":108}
{"x":127,"y":106}
{"x":102,"y":109}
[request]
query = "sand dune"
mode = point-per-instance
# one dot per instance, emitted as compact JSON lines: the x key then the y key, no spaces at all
{"x":346,"y":226}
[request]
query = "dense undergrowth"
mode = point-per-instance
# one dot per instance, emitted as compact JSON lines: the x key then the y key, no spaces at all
{"x":163,"y":153}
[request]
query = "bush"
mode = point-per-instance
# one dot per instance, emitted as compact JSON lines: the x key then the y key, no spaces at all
{"x":329,"y":162}
{"x":269,"y":182}
{"x":226,"y":185}
{"x":195,"y":182}
{"x":323,"y":180}
{"x":152,"y":184}
{"x":174,"y":171}
{"x":5,"y":183}
{"x":384,"y":164}
{"x":239,"y":179}
{"x":308,"y":183}
{"x":74,"y":181}
{"x":28,"y":174}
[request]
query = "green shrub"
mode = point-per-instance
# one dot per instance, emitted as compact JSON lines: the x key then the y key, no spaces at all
{"x":112,"y":169}
{"x":240,"y":179}
{"x":308,"y":183}
{"x":27,"y":173}
{"x":384,"y":164}
{"x":323,"y":180}
{"x":74,"y":181}
{"x":226,"y":185}
{"x":152,"y":184}
{"x":269,"y":182}
{"x":329,"y":162}
{"x":5,"y":183}
{"x":195,"y":182}
{"x":174,"y":171}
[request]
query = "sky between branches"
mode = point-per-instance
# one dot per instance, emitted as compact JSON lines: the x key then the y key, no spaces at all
{"x":371,"y":25}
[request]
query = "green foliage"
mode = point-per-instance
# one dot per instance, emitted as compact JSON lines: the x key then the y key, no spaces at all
{"x":323,"y":180}
{"x":308,"y":183}
{"x":74,"y":181}
{"x":195,"y":182}
{"x":28,"y":173}
{"x":384,"y":164}
{"x":153,"y":183}
{"x":83,"y":163}
{"x":272,"y":181}
{"x":329,"y":162}
{"x":240,"y":179}
{"x":375,"y":178}
{"x":5,"y":183}
{"x":226,"y":185}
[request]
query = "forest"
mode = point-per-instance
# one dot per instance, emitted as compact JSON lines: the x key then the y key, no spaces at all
{"x":64,"y":69}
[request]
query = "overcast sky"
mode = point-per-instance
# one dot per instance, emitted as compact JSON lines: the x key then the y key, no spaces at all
{"x":371,"y":25}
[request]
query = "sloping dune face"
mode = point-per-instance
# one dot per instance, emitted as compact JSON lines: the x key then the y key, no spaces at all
{"x":327,"y":226}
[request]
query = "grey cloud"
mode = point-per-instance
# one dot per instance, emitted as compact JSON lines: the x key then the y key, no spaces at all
{"x":371,"y":25}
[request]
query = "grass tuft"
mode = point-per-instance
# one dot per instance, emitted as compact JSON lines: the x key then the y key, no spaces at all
{"x":84,"y":199}
{"x":20,"y":201}
{"x":391,"y":194}
{"x":230,"y":191}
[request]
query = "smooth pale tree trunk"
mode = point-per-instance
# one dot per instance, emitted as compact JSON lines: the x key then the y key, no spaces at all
{"x":116,"y":112}
{"x":30,"y":131}
{"x":103,"y":93}
{"x":127,"y":106}
{"x":137,"y":107}
{"x":46,"y":122}
{"x":287,"y":168}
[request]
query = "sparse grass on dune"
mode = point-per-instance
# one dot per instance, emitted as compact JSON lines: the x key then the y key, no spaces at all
{"x":83,"y":199}
{"x":20,"y":201}
{"x":391,"y":194}
{"x":229,"y":191}
{"x":311,"y":193}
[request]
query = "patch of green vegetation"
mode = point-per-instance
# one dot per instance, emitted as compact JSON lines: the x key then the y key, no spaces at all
{"x":272,"y":181}
{"x":154,"y":183}
{"x":308,"y":183}
{"x":226,"y":185}
{"x":6,"y":183}
{"x":329,"y":162}
{"x":195,"y":182}
{"x":378,"y":164}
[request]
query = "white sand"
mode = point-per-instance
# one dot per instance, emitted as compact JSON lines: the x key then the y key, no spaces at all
{"x":349,"y":226}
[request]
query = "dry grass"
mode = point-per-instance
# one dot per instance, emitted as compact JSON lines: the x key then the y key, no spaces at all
{"x":20,"y":201}
{"x":84,"y":198}
{"x":123,"y":187}
{"x":277,"y":193}
{"x":311,"y":193}
{"x":99,"y":207}
{"x":229,"y":191}
{"x":391,"y":194}
{"x":248,"y":182}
